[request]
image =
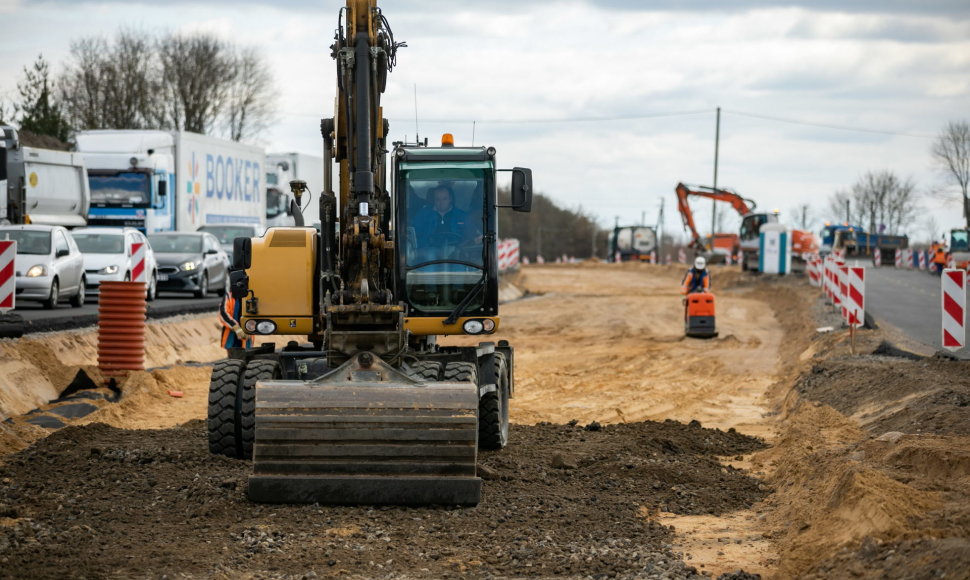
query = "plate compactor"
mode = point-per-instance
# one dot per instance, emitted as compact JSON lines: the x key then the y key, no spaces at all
{"x":699,"y":315}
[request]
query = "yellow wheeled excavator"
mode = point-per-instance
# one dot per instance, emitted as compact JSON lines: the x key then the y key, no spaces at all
{"x":371,"y":409}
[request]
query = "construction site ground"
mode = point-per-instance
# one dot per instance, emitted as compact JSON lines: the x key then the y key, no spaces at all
{"x":776,"y":448}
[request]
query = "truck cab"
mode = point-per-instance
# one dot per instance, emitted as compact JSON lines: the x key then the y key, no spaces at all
{"x":131,"y":175}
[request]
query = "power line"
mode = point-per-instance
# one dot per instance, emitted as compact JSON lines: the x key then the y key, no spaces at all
{"x":827,"y":126}
{"x":632,"y":117}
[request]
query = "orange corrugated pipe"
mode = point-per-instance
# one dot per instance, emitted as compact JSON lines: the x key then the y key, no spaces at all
{"x":121,"y":328}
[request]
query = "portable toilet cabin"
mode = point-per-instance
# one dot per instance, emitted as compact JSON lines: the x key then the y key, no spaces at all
{"x":774,"y":249}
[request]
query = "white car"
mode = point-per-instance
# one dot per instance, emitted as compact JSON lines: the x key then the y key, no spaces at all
{"x":49,"y":267}
{"x":108,"y":257}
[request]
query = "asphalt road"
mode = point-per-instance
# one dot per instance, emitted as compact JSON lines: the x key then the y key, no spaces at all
{"x":910,"y":302}
{"x":37,"y":319}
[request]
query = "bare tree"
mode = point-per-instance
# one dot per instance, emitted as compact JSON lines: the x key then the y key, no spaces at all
{"x":198,"y":72}
{"x":250,"y":106}
{"x":951,"y":150}
{"x":879,"y":201}
{"x":802,"y":214}
{"x":112,"y":86}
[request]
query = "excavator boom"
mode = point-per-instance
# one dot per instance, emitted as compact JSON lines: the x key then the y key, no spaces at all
{"x":740,"y":204}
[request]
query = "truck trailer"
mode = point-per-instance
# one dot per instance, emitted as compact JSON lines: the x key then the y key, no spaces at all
{"x":160,"y":181}
{"x":281,"y":169}
{"x":41,"y":186}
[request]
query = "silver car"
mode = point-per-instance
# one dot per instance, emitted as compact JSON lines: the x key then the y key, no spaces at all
{"x":227,"y":234}
{"x":49,"y":264}
{"x":108,"y":257}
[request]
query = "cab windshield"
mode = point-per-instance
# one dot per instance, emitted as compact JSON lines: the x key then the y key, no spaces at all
{"x":959,"y":241}
{"x":125,"y":189}
{"x":442,"y":232}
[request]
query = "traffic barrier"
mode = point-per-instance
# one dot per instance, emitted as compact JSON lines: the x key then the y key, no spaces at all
{"x":508,"y":255}
{"x":843,"y":273}
{"x":138,"y":272}
{"x":682,"y":256}
{"x":954,"y":284}
{"x":914,"y":259}
{"x":727,"y":259}
{"x":954,"y":291}
{"x":876,"y":258}
{"x":8,"y":280}
{"x":653,"y":257}
{"x":856,"y":298}
{"x":899,"y":257}
{"x":921,"y":259}
{"x":121,"y":328}
{"x":668,"y":259}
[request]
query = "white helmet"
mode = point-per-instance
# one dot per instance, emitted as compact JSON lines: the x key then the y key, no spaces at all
{"x":700,"y":263}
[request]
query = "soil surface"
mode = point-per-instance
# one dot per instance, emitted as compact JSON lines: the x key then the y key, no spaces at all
{"x":635,"y":452}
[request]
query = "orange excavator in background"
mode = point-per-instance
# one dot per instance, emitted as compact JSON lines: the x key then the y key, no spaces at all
{"x":718,"y":244}
{"x":803,"y":242}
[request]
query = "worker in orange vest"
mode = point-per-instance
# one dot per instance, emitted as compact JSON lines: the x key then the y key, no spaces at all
{"x":698,"y":279}
{"x":233,"y":335}
{"x":939,"y":257}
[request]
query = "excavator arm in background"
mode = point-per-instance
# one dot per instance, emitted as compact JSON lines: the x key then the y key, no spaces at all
{"x":740,"y":204}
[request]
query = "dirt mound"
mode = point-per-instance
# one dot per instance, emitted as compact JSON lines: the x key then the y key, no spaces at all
{"x":561,"y":500}
{"x":929,"y":395}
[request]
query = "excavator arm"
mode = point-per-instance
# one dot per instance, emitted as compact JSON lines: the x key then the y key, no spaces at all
{"x":740,"y":204}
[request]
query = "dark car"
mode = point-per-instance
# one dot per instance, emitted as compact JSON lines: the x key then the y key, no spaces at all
{"x":190,"y":262}
{"x":227,"y":233}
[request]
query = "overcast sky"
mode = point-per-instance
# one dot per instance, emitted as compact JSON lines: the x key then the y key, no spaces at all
{"x":610,"y":102}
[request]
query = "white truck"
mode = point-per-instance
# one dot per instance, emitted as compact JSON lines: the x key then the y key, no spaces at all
{"x":160,"y":181}
{"x":41,"y":186}
{"x":281,"y":168}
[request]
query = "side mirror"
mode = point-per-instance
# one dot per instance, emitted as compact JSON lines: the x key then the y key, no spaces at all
{"x":211,"y":252}
{"x":521,"y":189}
{"x":242,"y":253}
{"x":162,"y":188}
{"x":62,"y":252}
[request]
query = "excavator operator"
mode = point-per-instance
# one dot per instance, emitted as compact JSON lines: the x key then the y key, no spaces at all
{"x":698,"y":279}
{"x":442,"y":223}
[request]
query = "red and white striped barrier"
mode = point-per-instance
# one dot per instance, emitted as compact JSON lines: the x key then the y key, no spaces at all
{"x":727,"y":259}
{"x":653,"y":257}
{"x":540,"y":260}
{"x":921,"y":259}
{"x":508,"y":255}
{"x":682,"y":256}
{"x":667,"y":261}
{"x":876,"y":258}
{"x":138,"y":271}
{"x":899,"y":257}
{"x":843,"y":280}
{"x":954,"y":308}
{"x":8,"y":280}
{"x":856,"y":298}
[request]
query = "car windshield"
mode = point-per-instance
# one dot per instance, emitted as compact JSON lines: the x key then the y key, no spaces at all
{"x":227,"y":234}
{"x":29,"y":241}
{"x":92,"y":243}
{"x":186,"y":244}
{"x":125,"y":189}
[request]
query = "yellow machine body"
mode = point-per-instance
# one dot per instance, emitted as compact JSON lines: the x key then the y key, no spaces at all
{"x":281,"y":280}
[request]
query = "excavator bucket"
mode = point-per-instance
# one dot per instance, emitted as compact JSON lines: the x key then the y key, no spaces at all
{"x":366,"y":433}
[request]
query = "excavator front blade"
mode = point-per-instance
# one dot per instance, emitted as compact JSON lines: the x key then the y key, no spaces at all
{"x":366,"y":435}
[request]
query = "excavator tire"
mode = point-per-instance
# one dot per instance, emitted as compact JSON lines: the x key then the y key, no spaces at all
{"x":493,"y":409}
{"x":428,"y":370}
{"x":232,"y":405}
{"x":257,"y":370}
{"x":223,"y":402}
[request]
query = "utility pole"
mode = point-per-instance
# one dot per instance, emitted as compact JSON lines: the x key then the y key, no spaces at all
{"x":717,"y":143}
{"x":847,"y":220}
{"x":804,"y":217}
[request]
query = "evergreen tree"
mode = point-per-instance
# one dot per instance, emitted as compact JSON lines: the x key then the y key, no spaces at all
{"x":38,"y":111}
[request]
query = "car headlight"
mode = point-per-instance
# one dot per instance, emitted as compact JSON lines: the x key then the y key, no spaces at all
{"x":36,"y":271}
{"x":188,"y":266}
{"x":112,"y":269}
